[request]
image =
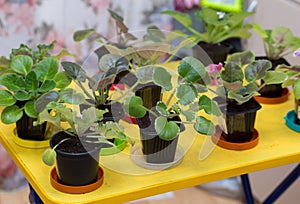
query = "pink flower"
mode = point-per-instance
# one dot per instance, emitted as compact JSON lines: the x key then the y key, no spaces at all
{"x":214,"y":68}
{"x":181,"y":5}
{"x":297,"y":53}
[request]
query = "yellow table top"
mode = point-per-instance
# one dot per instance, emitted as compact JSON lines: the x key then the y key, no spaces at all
{"x":203,"y":162}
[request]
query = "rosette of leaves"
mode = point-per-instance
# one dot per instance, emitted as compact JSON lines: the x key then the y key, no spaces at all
{"x":26,"y":75}
{"x":278,"y":42}
{"x":84,"y":125}
{"x":99,"y":84}
{"x":241,"y":74}
{"x":185,"y":99}
{"x":217,"y":27}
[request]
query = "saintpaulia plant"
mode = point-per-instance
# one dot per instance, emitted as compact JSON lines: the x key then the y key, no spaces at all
{"x":217,"y":27}
{"x":26,"y":75}
{"x":85,"y":125}
{"x":278,"y":42}
{"x":241,"y":73}
{"x":293,"y":73}
{"x":185,"y":99}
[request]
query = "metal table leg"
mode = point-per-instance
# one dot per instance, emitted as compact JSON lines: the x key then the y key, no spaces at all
{"x":247,"y":189}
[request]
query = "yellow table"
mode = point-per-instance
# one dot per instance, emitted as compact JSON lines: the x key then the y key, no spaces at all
{"x":203,"y":162}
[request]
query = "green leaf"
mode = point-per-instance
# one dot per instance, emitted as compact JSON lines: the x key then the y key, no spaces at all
{"x":113,"y":62}
{"x":162,"y":78}
{"x":22,"y":95}
{"x":74,"y":71}
{"x":42,"y":102}
{"x":241,"y":58}
{"x":259,"y":30}
{"x":162,"y":108}
{"x":11,"y":114}
{"x":46,"y":69}
{"x":204,"y":126}
{"x":296,"y":89}
{"x":232,"y":73}
{"x":30,"y":110}
{"x":274,"y":77}
{"x":44,"y":116}
{"x":166,"y":130}
{"x":209,"y":106}
{"x":71,"y":96}
{"x":144,"y":74}
{"x":62,"y":80}
{"x":47,"y":85}
{"x":134,"y":106}
{"x":186,"y":94}
{"x":282,"y":35}
{"x":189,"y":115}
{"x":257,"y":70}
{"x":241,"y":98}
{"x":31,"y":81}
{"x":49,"y":156}
{"x":191,"y":69}
{"x":100,"y":81}
{"x":21,"y":64}
{"x":12,"y":82}
{"x":182,"y":18}
{"x":83,"y":34}
{"x":7,"y":99}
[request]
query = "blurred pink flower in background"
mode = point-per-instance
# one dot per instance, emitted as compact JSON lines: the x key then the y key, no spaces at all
{"x":182,"y":5}
{"x":214,"y":70}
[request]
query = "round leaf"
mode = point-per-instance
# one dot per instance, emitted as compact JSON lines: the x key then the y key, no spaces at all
{"x":162,"y":108}
{"x":70,"y":96}
{"x":145,"y":74}
{"x":47,"y":69}
{"x":186,"y":94}
{"x":11,"y":114}
{"x":7,"y":99}
{"x":31,"y":81}
{"x":74,"y":71}
{"x":44,"y":99}
{"x":209,"y":106}
{"x":22,"y":95}
{"x":166,"y":130}
{"x":21,"y":64}
{"x":162,"y":78}
{"x":191,"y":69}
{"x":134,"y":106}
{"x":274,"y":77}
{"x":47,"y":85}
{"x":204,"y":126}
{"x":12,"y":82}
{"x":62,"y":80}
{"x":111,"y":61}
{"x":232,"y":72}
{"x":49,"y":156}
{"x":30,"y":110}
{"x":257,"y":70}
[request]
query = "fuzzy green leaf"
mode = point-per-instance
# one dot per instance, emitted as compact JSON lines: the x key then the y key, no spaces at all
{"x":46,"y":69}
{"x":186,"y":94}
{"x":7,"y":99}
{"x":232,"y":73}
{"x":189,"y":115}
{"x":182,"y":18}
{"x":21,"y":64}
{"x":74,"y":71}
{"x":204,"y":126}
{"x":22,"y":95}
{"x":209,"y":106}
{"x":49,"y":156}
{"x":241,"y":58}
{"x":109,"y":61}
{"x":62,"y":80}
{"x":31,"y":81}
{"x":145,"y":74}
{"x":162,"y":78}
{"x":134,"y":107}
{"x":242,"y":98}
{"x":71,"y":96}
{"x":257,"y":70}
{"x":162,"y":108}
{"x":166,"y":130}
{"x":44,"y":99}
{"x":12,"y":82}
{"x":191,"y":69}
{"x":47,"y":85}
{"x":11,"y":114}
{"x":83,"y":34}
{"x":274,"y":77}
{"x":30,"y":110}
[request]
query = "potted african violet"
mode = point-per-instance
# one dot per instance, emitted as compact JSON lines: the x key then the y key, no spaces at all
{"x":278,"y":43}
{"x":26,"y":75}
{"x":217,"y":29}
{"x":236,"y":97}
{"x":76,"y":145}
{"x":160,"y":126}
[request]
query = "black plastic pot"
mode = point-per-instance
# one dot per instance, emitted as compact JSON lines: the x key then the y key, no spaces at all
{"x":155,"y":149}
{"x":240,"y":119}
{"x":25,"y":128}
{"x":75,"y":168}
{"x":272,"y":90}
{"x":216,"y":52}
{"x":297,"y":112}
{"x":150,"y":94}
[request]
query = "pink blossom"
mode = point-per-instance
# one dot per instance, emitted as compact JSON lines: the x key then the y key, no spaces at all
{"x":297,"y":53}
{"x":181,"y":5}
{"x":214,"y":68}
